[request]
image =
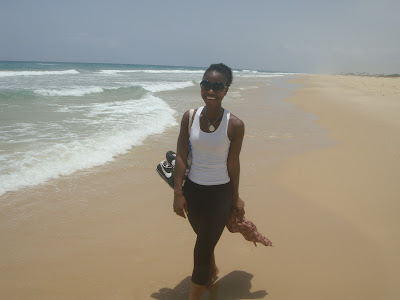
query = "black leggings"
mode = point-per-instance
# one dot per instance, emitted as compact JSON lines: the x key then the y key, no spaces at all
{"x":208,"y":212}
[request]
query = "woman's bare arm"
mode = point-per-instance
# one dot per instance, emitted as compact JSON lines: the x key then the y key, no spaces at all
{"x":181,"y":166}
{"x":235,"y":134}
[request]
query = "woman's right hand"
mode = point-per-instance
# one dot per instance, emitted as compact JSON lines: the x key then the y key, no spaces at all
{"x":180,"y":207}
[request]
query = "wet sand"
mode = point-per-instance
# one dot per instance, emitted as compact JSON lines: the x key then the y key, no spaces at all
{"x":326,"y":195}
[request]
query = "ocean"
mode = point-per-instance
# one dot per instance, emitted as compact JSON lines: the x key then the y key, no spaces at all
{"x":58,"y":118}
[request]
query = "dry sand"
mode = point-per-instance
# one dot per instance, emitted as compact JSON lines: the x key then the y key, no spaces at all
{"x":332,"y":213}
{"x":353,"y":243}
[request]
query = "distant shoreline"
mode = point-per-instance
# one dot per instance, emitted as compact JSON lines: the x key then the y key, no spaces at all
{"x":363,"y":74}
{"x":203,"y":68}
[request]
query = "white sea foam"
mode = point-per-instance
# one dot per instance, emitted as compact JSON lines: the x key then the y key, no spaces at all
{"x":114,"y":72}
{"x":36,"y":73}
{"x":166,"y":86}
{"x":22,"y":127}
{"x":73,"y":91}
{"x":117,"y":126}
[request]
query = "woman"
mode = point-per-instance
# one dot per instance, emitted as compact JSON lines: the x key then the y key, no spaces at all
{"x":212,"y":187}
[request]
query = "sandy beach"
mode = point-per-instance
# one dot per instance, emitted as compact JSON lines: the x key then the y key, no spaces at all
{"x":327,"y":196}
{"x":353,"y":242}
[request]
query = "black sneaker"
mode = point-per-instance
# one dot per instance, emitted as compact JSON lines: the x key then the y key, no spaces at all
{"x":171,"y":156}
{"x":166,"y":171}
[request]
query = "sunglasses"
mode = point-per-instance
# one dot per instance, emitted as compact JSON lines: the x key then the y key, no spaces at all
{"x":216,"y":86}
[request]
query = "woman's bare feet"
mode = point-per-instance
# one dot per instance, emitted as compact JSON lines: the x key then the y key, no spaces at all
{"x":195,"y":291}
{"x":213,"y":277}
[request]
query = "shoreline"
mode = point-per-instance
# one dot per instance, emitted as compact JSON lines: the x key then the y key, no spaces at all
{"x":81,"y":231}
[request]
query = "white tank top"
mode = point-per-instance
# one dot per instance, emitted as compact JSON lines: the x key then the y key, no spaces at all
{"x":209,"y":152}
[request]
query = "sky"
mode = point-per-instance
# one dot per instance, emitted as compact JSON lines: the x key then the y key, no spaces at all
{"x":307,"y":36}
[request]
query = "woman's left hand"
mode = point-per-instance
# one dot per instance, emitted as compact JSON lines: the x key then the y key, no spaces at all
{"x":240,"y":204}
{"x":239,"y":207}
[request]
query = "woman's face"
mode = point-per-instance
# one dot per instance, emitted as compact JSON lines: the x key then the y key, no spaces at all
{"x":211,"y":97}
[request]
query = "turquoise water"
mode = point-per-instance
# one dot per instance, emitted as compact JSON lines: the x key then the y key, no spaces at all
{"x":58,"y":118}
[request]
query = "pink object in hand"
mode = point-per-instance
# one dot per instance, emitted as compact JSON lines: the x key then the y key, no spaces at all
{"x":246,"y":228}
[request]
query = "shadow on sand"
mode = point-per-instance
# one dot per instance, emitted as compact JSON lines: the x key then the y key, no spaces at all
{"x":235,"y":285}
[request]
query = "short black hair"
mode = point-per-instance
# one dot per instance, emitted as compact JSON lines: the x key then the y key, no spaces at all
{"x":224,"y":70}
